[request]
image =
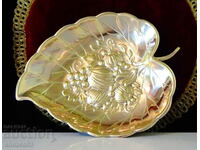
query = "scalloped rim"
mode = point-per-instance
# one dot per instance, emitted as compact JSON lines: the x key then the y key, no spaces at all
{"x":167,"y":107}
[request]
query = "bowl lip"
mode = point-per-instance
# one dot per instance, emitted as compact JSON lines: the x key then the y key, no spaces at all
{"x":155,"y":120}
{"x":77,"y":23}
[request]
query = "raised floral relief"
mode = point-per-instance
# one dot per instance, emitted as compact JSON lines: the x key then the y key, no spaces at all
{"x":99,"y":76}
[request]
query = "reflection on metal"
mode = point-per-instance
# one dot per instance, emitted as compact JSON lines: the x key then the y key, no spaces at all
{"x":99,"y":76}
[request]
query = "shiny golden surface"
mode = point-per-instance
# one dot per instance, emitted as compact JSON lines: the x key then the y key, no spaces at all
{"x":99,"y":76}
{"x":181,"y":105}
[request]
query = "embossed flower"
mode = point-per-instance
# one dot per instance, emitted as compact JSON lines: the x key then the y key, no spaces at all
{"x":99,"y":76}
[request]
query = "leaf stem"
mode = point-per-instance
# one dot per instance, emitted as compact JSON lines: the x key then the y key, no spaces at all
{"x":163,"y":58}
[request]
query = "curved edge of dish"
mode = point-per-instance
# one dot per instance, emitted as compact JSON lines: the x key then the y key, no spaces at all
{"x":19,"y":98}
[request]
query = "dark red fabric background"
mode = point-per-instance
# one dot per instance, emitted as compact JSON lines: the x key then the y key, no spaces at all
{"x":172,"y":18}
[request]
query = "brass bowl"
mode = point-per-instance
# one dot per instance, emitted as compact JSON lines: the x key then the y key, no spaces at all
{"x":99,"y":76}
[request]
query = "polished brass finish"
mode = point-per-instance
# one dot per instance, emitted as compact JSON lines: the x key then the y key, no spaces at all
{"x":180,"y":106}
{"x":101,"y":72}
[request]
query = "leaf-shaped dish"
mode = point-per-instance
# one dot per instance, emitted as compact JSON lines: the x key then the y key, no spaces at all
{"x":99,"y":76}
